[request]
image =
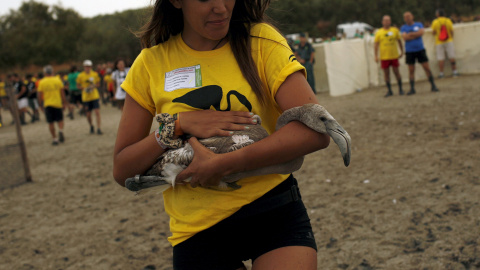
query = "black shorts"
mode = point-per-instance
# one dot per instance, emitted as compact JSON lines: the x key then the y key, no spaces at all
{"x":91,"y":105}
{"x":75,"y":97}
{"x":248,"y":234}
{"x":411,"y":57}
{"x":53,"y":114}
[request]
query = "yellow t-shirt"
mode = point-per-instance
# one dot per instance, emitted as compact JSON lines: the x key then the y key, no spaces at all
{"x":437,"y":26}
{"x":172,"y":77}
{"x":2,"y":90}
{"x":108,"y":78}
{"x":88,"y":82}
{"x":388,"y":40}
{"x":51,"y":88}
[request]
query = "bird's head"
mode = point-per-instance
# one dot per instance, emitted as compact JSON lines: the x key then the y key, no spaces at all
{"x":330,"y":126}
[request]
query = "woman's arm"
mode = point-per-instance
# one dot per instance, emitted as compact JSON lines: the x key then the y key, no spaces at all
{"x":292,"y":141}
{"x":136,"y":150}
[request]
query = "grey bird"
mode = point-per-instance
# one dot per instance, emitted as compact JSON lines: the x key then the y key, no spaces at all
{"x":163,"y":173}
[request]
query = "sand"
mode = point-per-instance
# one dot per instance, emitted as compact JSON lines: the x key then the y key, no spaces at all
{"x":409,"y":199}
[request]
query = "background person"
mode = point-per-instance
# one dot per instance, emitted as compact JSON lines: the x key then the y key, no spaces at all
{"x":443,"y":30}
{"x":32,"y":98}
{"x":387,"y":39}
{"x":75,"y":93}
{"x":109,"y":84}
{"x":412,"y":33}
{"x":88,"y":81}
{"x":52,"y":96}
{"x":305,"y":54}
{"x":3,"y":96}
{"x":21,"y":94}
{"x":118,"y":77}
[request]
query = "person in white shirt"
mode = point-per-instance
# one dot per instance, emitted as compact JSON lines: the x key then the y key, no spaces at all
{"x":118,"y":77}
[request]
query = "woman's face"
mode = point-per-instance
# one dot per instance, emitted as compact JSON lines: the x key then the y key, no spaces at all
{"x":205,"y":21}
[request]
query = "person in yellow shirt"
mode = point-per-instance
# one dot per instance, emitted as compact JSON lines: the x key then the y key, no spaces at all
{"x":443,"y":30}
{"x":387,"y":41}
{"x":53,"y":102}
{"x":88,"y":81}
{"x":109,"y":86}
{"x":216,"y":64}
{"x":3,"y":96}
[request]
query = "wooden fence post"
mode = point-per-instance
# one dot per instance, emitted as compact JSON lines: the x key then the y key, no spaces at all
{"x":21,"y":142}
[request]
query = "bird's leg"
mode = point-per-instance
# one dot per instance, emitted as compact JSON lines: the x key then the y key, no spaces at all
{"x":139,"y":182}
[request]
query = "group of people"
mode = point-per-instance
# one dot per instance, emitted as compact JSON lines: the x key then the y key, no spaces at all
{"x":52,"y":94}
{"x":388,"y":41}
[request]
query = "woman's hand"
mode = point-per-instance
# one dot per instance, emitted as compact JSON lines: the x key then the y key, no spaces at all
{"x":205,"y":170}
{"x":209,"y":123}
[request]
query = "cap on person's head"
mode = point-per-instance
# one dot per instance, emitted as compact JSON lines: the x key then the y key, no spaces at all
{"x":87,"y":63}
{"x":302,"y":35}
{"x":48,"y":70}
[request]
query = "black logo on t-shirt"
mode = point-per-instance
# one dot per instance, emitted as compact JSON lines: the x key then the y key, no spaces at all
{"x":211,"y":96}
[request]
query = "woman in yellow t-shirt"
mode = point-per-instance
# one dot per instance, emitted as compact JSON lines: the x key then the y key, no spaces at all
{"x":216,"y":64}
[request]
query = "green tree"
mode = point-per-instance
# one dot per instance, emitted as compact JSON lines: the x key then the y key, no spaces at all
{"x":112,"y":36}
{"x":38,"y":34}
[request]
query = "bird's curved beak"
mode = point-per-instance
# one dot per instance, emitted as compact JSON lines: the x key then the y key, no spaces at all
{"x":341,"y":138}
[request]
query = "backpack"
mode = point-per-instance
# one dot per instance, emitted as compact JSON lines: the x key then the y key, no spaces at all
{"x":443,"y":33}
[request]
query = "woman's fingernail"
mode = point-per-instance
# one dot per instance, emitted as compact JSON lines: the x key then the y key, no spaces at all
{"x":254,"y":121}
{"x":231,"y":133}
{"x":247,"y":127}
{"x":251,"y":114}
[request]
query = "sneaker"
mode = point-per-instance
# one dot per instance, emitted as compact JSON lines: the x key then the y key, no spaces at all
{"x":61,"y":138}
{"x":389,"y":93}
{"x":441,"y":76}
{"x":55,"y":142}
{"x":435,"y":89}
{"x":92,"y":130}
{"x":401,"y":93}
{"x":70,"y":115}
{"x":412,"y":92}
{"x":455,"y":74}
{"x":99,"y":132}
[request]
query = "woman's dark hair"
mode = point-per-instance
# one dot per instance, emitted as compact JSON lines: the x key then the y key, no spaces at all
{"x":167,"y":21}
{"x":73,"y":69}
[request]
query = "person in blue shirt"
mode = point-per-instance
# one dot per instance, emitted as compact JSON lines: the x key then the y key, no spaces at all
{"x":415,"y":51}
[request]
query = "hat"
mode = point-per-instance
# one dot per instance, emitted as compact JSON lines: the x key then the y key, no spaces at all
{"x":87,"y":63}
{"x":303,"y":35}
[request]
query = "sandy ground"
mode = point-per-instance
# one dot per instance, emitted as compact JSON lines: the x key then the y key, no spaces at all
{"x":409,"y":199}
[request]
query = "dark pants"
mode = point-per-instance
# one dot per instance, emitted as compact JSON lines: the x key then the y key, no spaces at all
{"x":310,"y":77}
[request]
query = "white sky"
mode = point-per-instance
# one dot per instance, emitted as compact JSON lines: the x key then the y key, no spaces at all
{"x":86,"y":8}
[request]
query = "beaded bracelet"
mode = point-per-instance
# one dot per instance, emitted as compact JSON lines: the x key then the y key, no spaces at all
{"x":166,"y":132}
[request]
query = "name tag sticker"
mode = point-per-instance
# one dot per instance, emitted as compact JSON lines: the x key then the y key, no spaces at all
{"x":186,"y":77}
{"x":416,"y":28}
